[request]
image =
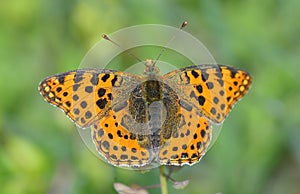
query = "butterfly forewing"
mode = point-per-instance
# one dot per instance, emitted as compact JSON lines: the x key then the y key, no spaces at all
{"x":86,"y":95}
{"x":212,"y":89}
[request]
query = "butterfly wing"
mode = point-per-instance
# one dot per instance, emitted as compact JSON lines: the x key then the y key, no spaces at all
{"x":190,"y":142}
{"x":212,"y":89}
{"x":87,"y":95}
{"x":117,"y":145}
{"x":98,"y":98}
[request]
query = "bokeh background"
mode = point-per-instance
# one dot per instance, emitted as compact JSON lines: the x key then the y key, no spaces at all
{"x":258,"y":150}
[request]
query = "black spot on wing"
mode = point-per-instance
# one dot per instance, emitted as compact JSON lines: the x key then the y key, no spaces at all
{"x":78,"y":76}
{"x":187,"y":77}
{"x":89,"y":89}
{"x":109,"y":95}
{"x":101,"y":103}
{"x":185,"y":105}
{"x":210,"y":85}
{"x":105,"y":77}
{"x":193,"y":95}
{"x":88,"y":115}
{"x":221,"y":82}
{"x":83,"y":104}
{"x":199,"y":88}
{"x":113,"y":81}
{"x":61,"y":79}
{"x":75,"y":97}
{"x":205,"y":75}
{"x":101,"y":92}
{"x":195,"y":74}
{"x":75,"y":87}
{"x":201,"y":100}
{"x":95,"y":79}
{"x":58,"y":89}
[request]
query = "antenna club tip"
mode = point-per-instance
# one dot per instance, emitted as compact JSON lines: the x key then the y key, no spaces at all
{"x":105,"y":36}
{"x":183,"y":24}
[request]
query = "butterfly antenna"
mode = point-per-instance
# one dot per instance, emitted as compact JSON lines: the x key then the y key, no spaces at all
{"x":184,"y":24}
{"x":128,"y":52}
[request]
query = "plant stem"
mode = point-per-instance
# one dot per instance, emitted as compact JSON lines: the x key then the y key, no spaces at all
{"x":163,"y":180}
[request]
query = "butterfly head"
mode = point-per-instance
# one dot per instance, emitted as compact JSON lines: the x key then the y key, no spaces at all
{"x":150,"y":69}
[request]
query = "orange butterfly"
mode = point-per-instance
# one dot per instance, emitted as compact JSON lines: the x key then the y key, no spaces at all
{"x":141,"y":120}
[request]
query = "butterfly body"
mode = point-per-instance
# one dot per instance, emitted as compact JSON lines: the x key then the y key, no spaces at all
{"x":140,"y":120}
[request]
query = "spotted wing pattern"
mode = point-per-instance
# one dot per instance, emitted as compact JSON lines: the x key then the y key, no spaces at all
{"x":116,"y":144}
{"x":86,"y":95}
{"x":112,"y":103}
{"x":213,"y":89}
{"x":190,"y":142}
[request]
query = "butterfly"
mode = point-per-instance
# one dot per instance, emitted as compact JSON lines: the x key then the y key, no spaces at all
{"x":138,"y":121}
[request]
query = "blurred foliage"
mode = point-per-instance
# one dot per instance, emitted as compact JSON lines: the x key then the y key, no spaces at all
{"x":257,"y":152}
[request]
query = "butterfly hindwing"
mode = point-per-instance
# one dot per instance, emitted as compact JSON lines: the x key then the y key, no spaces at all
{"x":116,"y":144}
{"x":190,"y":142}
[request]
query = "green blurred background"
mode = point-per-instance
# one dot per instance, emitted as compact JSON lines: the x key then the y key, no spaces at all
{"x":258,"y":150}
